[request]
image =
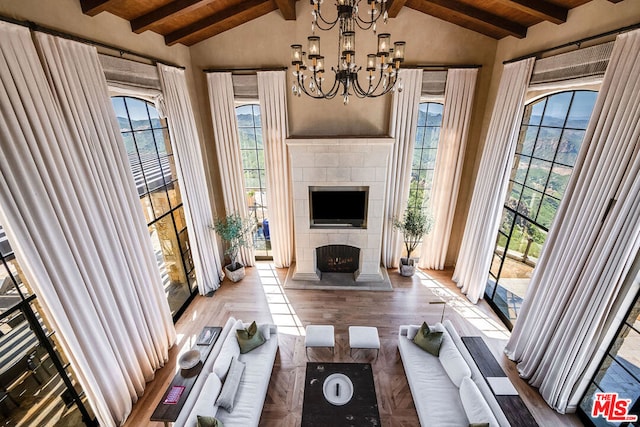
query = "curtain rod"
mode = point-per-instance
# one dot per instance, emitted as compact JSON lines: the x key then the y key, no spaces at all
{"x":37,"y":27}
{"x":576,"y":42}
{"x":243,"y":70}
{"x":441,"y":67}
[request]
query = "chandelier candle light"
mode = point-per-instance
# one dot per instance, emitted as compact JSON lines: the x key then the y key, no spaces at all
{"x":382,"y":67}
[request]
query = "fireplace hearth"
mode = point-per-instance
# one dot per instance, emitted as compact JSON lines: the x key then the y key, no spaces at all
{"x":337,"y":259}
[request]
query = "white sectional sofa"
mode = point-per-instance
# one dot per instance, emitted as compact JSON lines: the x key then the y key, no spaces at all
{"x":448,"y":390}
{"x":254,"y":382}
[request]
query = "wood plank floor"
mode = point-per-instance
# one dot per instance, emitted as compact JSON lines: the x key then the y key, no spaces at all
{"x":261,"y":296}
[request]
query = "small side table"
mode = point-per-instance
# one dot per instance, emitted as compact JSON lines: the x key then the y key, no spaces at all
{"x":364,"y":337}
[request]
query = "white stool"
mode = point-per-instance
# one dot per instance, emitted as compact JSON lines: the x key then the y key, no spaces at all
{"x":364,"y":337}
{"x":319,"y":336}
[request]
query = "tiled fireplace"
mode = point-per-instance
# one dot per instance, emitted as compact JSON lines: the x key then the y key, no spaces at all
{"x":336,"y":163}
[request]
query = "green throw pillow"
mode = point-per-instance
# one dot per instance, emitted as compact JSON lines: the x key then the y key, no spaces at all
{"x":427,"y":340}
{"x":250,"y":338}
{"x":209,"y":422}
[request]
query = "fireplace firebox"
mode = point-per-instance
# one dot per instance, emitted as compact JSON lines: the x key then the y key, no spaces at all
{"x":337,"y":259}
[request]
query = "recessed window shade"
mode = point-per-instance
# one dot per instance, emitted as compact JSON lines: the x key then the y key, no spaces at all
{"x":124,"y":72}
{"x":433,"y":82}
{"x":578,"y":64}
{"x":245,"y":86}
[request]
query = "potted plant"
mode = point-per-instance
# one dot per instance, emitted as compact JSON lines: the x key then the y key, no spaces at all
{"x":235,"y":231}
{"x":415,"y":223}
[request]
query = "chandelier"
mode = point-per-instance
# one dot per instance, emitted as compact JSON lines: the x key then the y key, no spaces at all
{"x":382,"y":67}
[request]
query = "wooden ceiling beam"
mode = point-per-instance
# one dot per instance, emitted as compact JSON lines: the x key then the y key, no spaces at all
{"x":159,"y":16}
{"x":540,"y":9}
{"x":221,"y":21}
{"x":480,"y":16}
{"x":394,"y":7}
{"x":287,"y":8}
{"x":94,"y":7}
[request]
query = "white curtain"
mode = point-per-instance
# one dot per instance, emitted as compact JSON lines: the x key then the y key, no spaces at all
{"x":579,"y":280}
{"x":190,"y":166}
{"x":402,"y":127}
{"x":458,"y":102}
{"x":227,"y":141}
{"x":272,"y":93}
{"x":69,"y":206}
{"x":483,"y":220}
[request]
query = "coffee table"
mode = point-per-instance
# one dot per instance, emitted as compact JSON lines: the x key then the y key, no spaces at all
{"x":340,"y":381}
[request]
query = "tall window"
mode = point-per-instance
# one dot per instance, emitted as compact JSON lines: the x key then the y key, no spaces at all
{"x":619,"y":371}
{"x":424,"y":153}
{"x":148,"y":146}
{"x":255,"y":181}
{"x":551,"y":134}
{"x":37,"y":385}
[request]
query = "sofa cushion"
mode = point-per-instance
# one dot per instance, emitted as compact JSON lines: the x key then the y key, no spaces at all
{"x":230,"y":349}
{"x":428,"y":340}
{"x":206,"y":403}
{"x":452,"y":361}
{"x":229,"y":390}
{"x":476,"y":408}
{"x":249,"y":338}
{"x":209,"y":422}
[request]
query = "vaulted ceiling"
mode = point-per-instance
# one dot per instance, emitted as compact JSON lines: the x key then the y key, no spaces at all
{"x":191,"y":21}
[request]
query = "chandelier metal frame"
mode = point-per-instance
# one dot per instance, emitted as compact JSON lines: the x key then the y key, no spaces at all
{"x":382,"y":66}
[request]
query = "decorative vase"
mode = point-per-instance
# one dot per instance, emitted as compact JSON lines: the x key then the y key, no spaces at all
{"x":407,"y":267}
{"x":234,"y":275}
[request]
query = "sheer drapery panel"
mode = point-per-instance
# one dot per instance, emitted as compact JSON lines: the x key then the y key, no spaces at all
{"x":225,"y":131}
{"x":191,"y":171}
{"x":402,"y":127}
{"x":458,"y":102}
{"x":483,"y":219}
{"x":272,"y":93}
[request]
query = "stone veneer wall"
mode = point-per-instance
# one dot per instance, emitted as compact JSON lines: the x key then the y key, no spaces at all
{"x":339,"y":162}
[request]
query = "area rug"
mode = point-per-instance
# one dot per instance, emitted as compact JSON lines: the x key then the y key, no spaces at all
{"x":338,"y":282}
{"x":360,"y":410}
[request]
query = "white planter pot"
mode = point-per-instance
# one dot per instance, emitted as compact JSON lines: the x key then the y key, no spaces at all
{"x":407,"y":267}
{"x":234,"y":275}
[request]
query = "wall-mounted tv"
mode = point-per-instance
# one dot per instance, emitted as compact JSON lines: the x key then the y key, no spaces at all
{"x":338,"y":206}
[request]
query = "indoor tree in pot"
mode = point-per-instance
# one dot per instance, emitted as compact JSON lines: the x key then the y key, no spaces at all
{"x":415,"y":223}
{"x":236,"y":233}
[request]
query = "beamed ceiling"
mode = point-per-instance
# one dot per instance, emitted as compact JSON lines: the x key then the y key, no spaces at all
{"x":192,"y":21}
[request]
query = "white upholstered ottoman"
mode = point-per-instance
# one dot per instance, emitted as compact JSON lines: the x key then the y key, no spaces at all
{"x":364,"y":337}
{"x":319,"y":336}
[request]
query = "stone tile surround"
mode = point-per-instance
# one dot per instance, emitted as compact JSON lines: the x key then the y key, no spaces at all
{"x":338,"y":161}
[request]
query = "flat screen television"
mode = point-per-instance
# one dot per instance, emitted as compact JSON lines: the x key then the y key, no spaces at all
{"x":338,"y":206}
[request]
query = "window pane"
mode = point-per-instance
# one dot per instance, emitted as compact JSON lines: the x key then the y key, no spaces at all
{"x":434,"y":115}
{"x":556,"y":111}
{"x":547,"y":143}
{"x":175,"y":198}
{"x":178,"y":217}
{"x":520,"y":168}
{"x":548,"y":209}
{"x":533,"y":112}
{"x":249,"y":159}
{"x":428,"y":158}
{"x":420,"y":131}
{"x":527,"y":140}
{"x":422,"y":114}
{"x":431,"y":137}
{"x":581,"y":109}
{"x":529,"y":203}
{"x":539,"y":171}
{"x":160,"y":202}
{"x":247,"y":138}
{"x":507,"y":221}
{"x":569,"y":146}
{"x":121,"y":114}
{"x":162,"y":145}
{"x":130,"y":145}
{"x":514,"y":194}
{"x":257,"y":120}
{"x":147,"y":208}
{"x":558,"y":180}
{"x":245,"y":116}
{"x":138,"y":114}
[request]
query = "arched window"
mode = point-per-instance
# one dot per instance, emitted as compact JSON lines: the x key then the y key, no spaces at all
{"x":255,"y":181}
{"x":550,"y":138}
{"x":146,"y":139}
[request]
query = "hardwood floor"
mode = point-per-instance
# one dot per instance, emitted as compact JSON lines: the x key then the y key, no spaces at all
{"x":261,"y":296}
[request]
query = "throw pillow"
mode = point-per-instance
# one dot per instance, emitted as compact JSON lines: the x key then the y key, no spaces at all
{"x":452,"y":361}
{"x":229,"y":350}
{"x":209,"y":422}
{"x":479,"y":425}
{"x":227,"y":396}
{"x":428,"y":340}
{"x":475,"y":407}
{"x":204,"y":405}
{"x":249,"y":338}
